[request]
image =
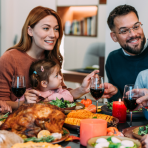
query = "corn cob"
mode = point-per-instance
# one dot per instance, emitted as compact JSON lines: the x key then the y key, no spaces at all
{"x":80,"y":114}
{"x":73,"y":121}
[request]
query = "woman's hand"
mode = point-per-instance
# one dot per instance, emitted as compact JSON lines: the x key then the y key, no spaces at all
{"x":31,"y":96}
{"x":4,"y":107}
{"x":109,"y":90}
{"x":86,"y":81}
{"x":144,"y":141}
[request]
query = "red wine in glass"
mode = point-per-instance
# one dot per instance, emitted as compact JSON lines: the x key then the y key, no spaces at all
{"x":130,"y":96}
{"x":18,"y":86}
{"x":97,"y":93}
{"x":130,"y":103}
{"x":97,"y":88}
{"x":18,"y":92}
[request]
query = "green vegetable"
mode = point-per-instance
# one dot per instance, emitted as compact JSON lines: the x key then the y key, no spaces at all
{"x":95,"y":117}
{"x":64,"y":132}
{"x":94,"y":144}
{"x":109,"y":139}
{"x":62,"y":104}
{"x":143,"y":130}
{"x":43,"y":139}
{"x":114,"y":145}
{"x":3,"y":117}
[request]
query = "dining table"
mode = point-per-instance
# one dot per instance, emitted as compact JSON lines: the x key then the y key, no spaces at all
{"x":120,"y":126}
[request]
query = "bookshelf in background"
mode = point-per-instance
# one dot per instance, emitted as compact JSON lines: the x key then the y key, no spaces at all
{"x":79,"y":20}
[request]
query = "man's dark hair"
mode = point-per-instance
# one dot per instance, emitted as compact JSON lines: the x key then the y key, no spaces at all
{"x":119,"y":11}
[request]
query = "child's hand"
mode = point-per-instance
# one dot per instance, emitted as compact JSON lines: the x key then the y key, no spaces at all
{"x":144,"y":141}
{"x":4,"y":107}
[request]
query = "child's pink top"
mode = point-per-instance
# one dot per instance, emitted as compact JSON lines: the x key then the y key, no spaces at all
{"x":52,"y":94}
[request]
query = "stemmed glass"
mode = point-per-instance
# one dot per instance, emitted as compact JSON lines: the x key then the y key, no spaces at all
{"x":130,"y":95}
{"x":97,"y":88}
{"x":18,"y":86}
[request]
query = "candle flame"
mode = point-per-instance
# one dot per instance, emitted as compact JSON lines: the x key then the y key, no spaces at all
{"x":119,"y":100}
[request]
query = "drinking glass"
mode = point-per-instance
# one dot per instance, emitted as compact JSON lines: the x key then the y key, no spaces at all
{"x":130,"y":95}
{"x":18,"y":86}
{"x":97,"y":88}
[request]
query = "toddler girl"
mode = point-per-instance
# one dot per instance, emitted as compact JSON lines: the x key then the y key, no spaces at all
{"x":45,"y":77}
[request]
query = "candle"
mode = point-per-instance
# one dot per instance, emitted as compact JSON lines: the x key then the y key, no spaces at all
{"x":119,"y":111}
{"x":92,"y":128}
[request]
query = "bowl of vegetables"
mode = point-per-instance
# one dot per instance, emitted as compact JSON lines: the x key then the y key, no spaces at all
{"x":66,"y":105}
{"x":112,"y":142}
{"x":145,"y":112}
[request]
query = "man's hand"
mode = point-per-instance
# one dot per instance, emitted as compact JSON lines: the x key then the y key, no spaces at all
{"x":109,"y":90}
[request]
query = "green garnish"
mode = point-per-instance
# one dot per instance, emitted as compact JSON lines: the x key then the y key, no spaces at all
{"x":94,"y":144}
{"x":64,"y":132}
{"x":143,"y":130}
{"x":3,"y":117}
{"x":95,"y":117}
{"x":43,"y":139}
{"x":62,"y":104}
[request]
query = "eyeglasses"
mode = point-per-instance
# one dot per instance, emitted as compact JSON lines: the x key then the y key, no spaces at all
{"x":136,"y":27}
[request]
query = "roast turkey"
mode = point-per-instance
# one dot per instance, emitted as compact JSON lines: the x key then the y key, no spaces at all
{"x":30,"y":119}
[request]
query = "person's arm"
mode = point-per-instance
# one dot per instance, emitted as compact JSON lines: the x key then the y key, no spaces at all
{"x":84,"y":88}
{"x":13,"y":104}
{"x":139,"y":80}
{"x":7,"y":65}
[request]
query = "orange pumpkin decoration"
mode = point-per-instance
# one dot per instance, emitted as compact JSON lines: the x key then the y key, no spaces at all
{"x":113,"y":131}
{"x":86,"y":102}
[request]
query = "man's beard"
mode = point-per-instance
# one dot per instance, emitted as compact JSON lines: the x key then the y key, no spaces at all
{"x":134,"y":50}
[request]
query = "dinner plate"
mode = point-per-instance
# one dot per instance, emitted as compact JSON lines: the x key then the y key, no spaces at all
{"x":78,"y":106}
{"x":64,"y":137}
{"x":93,"y":140}
{"x":135,"y":133}
{"x":135,"y":115}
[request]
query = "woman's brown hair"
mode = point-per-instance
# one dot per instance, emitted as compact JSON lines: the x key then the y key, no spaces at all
{"x":33,"y":18}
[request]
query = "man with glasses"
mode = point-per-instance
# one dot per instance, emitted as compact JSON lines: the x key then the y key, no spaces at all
{"x":124,"y":64}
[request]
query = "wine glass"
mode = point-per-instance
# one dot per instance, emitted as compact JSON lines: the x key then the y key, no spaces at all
{"x":97,"y":88}
{"x":18,"y":86}
{"x":130,"y":95}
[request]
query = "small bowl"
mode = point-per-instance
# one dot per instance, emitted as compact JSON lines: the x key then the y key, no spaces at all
{"x":145,"y":112}
{"x":93,"y":140}
{"x":70,"y":108}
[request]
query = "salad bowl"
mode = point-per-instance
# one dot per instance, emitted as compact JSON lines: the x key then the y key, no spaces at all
{"x":91,"y":141}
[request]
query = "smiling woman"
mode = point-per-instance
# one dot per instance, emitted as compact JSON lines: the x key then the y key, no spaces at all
{"x":40,"y":39}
